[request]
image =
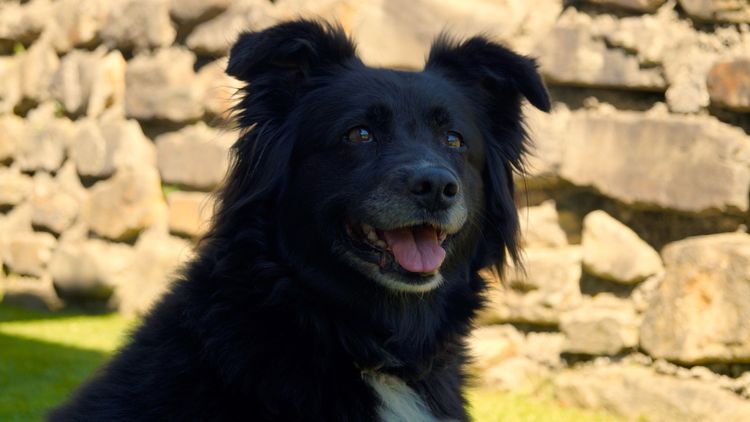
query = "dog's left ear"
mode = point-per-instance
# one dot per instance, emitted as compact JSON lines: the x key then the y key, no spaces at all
{"x":492,"y":67}
{"x":496,"y":80}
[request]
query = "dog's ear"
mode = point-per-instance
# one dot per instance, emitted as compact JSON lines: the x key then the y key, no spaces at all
{"x":279,"y":65}
{"x":496,"y":80}
{"x":286,"y":55}
{"x":490,"y":67}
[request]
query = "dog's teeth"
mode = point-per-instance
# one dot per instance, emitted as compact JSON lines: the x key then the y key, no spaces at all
{"x":372,"y":236}
{"x":381,"y":244}
{"x":369,"y":232}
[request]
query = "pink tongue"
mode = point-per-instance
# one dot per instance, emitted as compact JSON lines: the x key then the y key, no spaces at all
{"x":416,"y":249}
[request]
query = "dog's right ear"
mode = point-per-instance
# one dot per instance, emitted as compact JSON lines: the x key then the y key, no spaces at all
{"x":279,"y":65}
{"x":288,"y":54}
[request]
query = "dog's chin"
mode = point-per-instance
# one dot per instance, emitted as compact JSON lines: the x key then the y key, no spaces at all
{"x":397,"y":281}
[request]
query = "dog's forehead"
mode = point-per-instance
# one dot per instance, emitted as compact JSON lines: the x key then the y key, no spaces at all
{"x":401,"y":91}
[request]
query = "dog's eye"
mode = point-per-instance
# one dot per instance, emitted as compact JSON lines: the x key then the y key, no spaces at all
{"x":453,"y":139}
{"x":358,"y":135}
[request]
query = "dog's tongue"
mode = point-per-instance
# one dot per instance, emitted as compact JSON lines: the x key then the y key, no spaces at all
{"x":416,"y":249}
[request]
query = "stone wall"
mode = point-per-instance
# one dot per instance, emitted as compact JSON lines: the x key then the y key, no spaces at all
{"x":635,"y":294}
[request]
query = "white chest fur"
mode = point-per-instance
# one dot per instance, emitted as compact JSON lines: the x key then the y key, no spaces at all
{"x":399,"y":402}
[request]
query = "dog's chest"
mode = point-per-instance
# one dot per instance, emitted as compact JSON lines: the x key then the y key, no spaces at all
{"x":398,"y":401}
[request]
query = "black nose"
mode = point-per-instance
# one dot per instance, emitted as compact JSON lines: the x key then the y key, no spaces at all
{"x":435,"y":188}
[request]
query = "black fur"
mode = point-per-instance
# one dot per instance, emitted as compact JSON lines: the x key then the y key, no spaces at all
{"x":270,"y":322}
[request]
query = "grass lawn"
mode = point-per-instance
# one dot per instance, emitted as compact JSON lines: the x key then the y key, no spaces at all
{"x":44,"y":356}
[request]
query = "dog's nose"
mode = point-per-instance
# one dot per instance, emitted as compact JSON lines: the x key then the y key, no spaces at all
{"x":435,"y":188}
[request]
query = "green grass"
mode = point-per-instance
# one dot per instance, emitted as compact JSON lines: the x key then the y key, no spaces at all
{"x":495,"y":406}
{"x":44,"y":356}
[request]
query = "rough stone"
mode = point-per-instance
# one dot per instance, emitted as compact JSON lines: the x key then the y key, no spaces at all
{"x":547,"y":132}
{"x":650,"y":38}
{"x":603,"y":325}
{"x":103,"y":146}
{"x":12,"y":130}
{"x":213,"y":38}
{"x":17,"y":220}
{"x":10,"y":82}
{"x":736,"y":11}
{"x":679,"y":162}
{"x":701,"y":311}
{"x":389,"y":33}
{"x":29,"y":292}
{"x":55,"y":204}
{"x":643,"y":6}
{"x":28,"y":253}
{"x":76,"y":23}
{"x":547,"y":287}
{"x":729,"y":84}
{"x":196,"y":156}
{"x":90,"y":82}
{"x":197,"y":10}
{"x":644,"y":292}
{"x":159,"y":258}
{"x":221,"y":89}
{"x":544,"y":348}
{"x":540,"y":226}
{"x":517,"y":374}
{"x":52,"y":209}
{"x":189,"y":212}
{"x":138,"y":24}
{"x":502,"y":361}
{"x":635,"y":392}
{"x":686,"y":69}
{"x":37,"y":68}
{"x":163,"y":85}
{"x":614,"y":252}
{"x":45,"y":143}
{"x":23,"y":22}
{"x":742,"y":385}
{"x":90,"y":269}
{"x":121,"y":207}
{"x":490,"y":345}
{"x":14,"y":187}
{"x":398,"y":34}
{"x":687,"y":56}
{"x":595,"y":65}
{"x":495,"y":343}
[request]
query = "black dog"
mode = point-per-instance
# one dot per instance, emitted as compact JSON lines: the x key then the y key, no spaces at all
{"x":340,"y":276}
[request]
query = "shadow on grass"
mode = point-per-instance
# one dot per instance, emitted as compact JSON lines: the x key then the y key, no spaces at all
{"x":36,"y":375}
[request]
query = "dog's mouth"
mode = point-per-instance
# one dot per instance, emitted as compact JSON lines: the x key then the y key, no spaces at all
{"x":412,"y":249}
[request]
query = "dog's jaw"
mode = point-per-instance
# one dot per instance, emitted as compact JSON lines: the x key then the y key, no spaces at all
{"x":390,"y":281}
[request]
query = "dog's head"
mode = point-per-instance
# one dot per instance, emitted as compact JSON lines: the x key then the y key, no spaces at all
{"x":404,"y":177}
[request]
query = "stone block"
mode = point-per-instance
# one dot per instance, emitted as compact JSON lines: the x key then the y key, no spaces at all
{"x":614,"y":252}
{"x":163,"y":86}
{"x":196,"y":156}
{"x":138,"y":25}
{"x":701,"y":312}
{"x":121,"y":207}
